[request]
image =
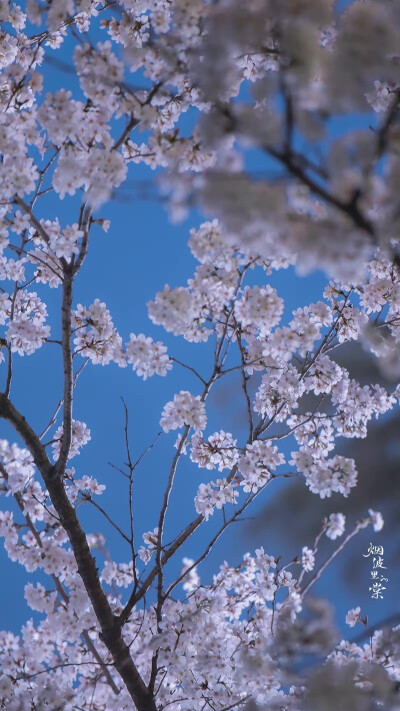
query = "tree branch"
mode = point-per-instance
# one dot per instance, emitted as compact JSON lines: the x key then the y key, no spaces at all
{"x":354,"y":532}
{"x":86,"y":564}
{"x":68,"y":373}
{"x":61,"y":590}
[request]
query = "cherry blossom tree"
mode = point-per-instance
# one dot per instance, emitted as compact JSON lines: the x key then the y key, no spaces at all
{"x":270,"y":75}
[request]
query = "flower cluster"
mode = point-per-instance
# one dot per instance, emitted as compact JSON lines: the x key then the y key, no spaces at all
{"x":261,"y":458}
{"x":219,"y":450}
{"x":147,"y":357}
{"x":336,"y":525}
{"x":184,"y":409}
{"x":259,"y":307}
{"x":214,"y":496}
{"x":150,"y":539}
{"x":279,"y":393}
{"x":80,"y":435}
{"x":26,"y":330}
{"x":95,"y":335}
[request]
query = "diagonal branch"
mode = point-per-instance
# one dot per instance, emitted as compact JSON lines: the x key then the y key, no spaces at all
{"x":360,"y":525}
{"x":346,"y":207}
{"x":35,"y":222}
{"x":86,"y":564}
{"x":134,"y":121}
{"x":61,"y":590}
{"x":297,"y":165}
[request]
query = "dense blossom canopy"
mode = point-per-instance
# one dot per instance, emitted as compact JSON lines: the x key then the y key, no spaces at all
{"x":270,"y":75}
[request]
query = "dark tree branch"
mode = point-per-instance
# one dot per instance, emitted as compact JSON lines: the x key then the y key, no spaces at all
{"x":348,"y":208}
{"x":134,"y":121}
{"x":68,"y":373}
{"x":297,"y":165}
{"x":86,"y":564}
{"x":61,"y":590}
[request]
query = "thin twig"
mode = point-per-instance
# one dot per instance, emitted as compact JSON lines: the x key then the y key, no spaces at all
{"x":94,"y":503}
{"x":360,"y":525}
